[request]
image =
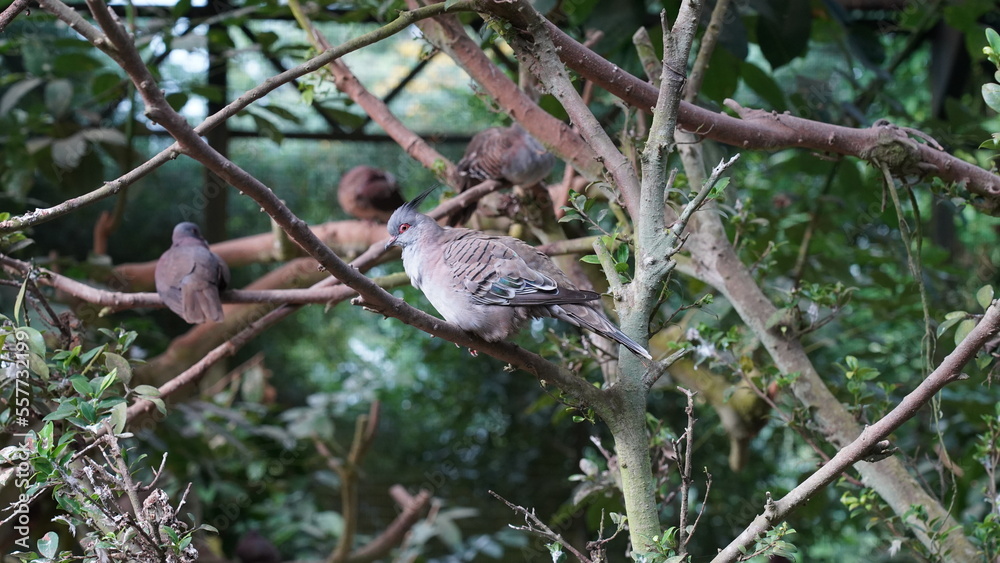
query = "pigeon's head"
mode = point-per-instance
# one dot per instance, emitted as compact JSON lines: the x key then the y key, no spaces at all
{"x":186,"y":230}
{"x":407,"y":223}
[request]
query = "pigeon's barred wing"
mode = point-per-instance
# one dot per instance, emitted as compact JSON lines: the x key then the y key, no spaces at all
{"x":485,"y":156}
{"x":494,"y":274}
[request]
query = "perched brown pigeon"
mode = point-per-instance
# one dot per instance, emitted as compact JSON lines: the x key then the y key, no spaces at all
{"x":189,"y":277}
{"x":369,"y":193}
{"x":508,"y":154}
{"x":491,"y":285}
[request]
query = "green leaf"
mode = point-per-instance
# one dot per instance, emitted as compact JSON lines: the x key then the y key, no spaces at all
{"x":963,"y":330}
{"x":65,"y":410}
{"x":985,"y":296}
{"x":722,"y":82}
{"x":622,"y":253}
{"x":783,"y":31}
{"x":346,"y":118}
{"x":88,"y":412}
{"x":210,"y":93}
{"x":764,"y":85}
{"x":75,"y":63}
{"x":105,"y":83}
{"x":58,"y":96}
{"x":107,"y":381}
{"x":147,"y":391}
{"x":48,"y":545}
{"x":591,"y":259}
{"x":282,"y":113}
{"x":181,"y":7}
{"x":991,"y":95}
{"x":719,"y":188}
{"x":171,"y":533}
{"x":160,"y":405}
{"x":19,"y":302}
{"x":36,"y":363}
{"x":993,"y":38}
{"x":267,"y":128}
{"x":308,"y":94}
{"x":14,"y":94}
{"x":177,"y":100}
{"x":951,"y":319}
{"x":81,"y":385}
{"x":993,"y":143}
{"x":120,"y":365}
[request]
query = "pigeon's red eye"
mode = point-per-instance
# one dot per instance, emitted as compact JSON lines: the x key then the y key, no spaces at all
{"x":404,"y":227}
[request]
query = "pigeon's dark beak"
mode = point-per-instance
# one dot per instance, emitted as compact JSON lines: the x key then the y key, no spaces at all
{"x":390,"y":242}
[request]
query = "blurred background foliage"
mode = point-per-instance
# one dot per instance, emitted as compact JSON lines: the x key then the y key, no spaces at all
{"x":459,"y":426}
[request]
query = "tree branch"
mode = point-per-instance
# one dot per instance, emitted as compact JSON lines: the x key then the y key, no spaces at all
{"x":714,"y":261}
{"x":376,"y":109}
{"x":534,"y":525}
{"x":8,"y":15}
{"x":448,"y":34}
{"x":393,"y":535}
{"x":92,"y":34}
{"x":536,"y":45}
{"x":758,"y":129}
{"x":870,"y":441}
{"x":113,"y":301}
{"x":349,"y":472}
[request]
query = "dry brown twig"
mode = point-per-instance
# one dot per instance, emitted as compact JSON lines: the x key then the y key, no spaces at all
{"x":534,"y":525}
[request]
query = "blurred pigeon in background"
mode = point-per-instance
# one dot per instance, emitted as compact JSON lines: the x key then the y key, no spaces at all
{"x":189,"y":277}
{"x":369,"y":193}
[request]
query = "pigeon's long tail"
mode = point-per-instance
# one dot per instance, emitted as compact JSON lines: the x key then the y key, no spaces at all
{"x":201,"y":302}
{"x":590,"y":319}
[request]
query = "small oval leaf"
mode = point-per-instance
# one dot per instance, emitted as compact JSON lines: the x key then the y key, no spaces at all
{"x":963,"y":330}
{"x":48,"y":545}
{"x":114,"y":361}
{"x":985,"y":296}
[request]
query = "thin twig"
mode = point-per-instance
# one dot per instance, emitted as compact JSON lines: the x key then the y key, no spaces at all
{"x":608,"y":264}
{"x":349,"y":471}
{"x":685,"y":468}
{"x":536,"y":526}
{"x":373,"y":106}
{"x":704,"y":502}
{"x":92,"y":34}
{"x":654,"y":374}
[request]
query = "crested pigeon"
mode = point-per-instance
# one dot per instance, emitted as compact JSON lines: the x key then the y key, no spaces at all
{"x":508,"y":154}
{"x":491,"y":285}
{"x":189,"y":276}
{"x":369,"y":193}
